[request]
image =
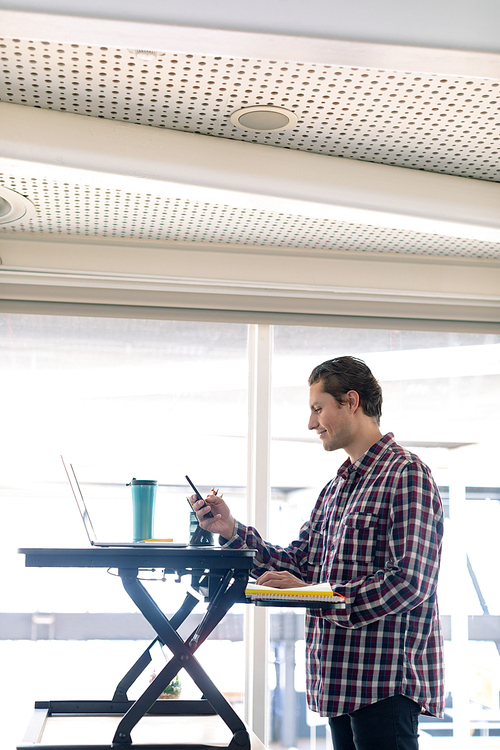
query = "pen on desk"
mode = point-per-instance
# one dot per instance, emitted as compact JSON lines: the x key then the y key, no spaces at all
{"x":157,"y":540}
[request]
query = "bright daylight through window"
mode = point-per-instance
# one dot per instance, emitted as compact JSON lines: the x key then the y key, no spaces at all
{"x":124,"y":398}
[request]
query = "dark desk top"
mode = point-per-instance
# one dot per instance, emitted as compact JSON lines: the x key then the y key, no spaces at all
{"x":172,"y":559}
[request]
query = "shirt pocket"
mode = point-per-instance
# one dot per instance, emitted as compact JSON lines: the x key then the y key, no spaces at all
{"x":358,"y":538}
{"x":316,"y":547}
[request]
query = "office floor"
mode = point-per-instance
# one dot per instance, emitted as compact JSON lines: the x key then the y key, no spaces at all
{"x":425,"y":743}
{"x":152,"y":729}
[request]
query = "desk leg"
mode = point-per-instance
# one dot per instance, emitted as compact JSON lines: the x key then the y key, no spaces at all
{"x":142,"y":662}
{"x":134,"y":672}
{"x":183,"y":657}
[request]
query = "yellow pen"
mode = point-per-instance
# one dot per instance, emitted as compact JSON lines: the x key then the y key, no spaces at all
{"x":157,"y":540}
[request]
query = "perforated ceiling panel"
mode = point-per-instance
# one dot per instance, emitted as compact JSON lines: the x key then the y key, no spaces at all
{"x":448,"y":125}
{"x":65,"y":209}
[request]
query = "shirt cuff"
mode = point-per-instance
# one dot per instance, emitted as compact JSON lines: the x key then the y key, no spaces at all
{"x":237,"y":540}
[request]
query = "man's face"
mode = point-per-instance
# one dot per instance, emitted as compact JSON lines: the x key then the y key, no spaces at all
{"x":331,"y":420}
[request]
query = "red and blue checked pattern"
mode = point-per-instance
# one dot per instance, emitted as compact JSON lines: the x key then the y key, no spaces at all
{"x":375,"y":533}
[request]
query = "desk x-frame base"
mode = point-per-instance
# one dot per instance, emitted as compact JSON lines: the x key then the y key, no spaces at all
{"x":222,"y":576}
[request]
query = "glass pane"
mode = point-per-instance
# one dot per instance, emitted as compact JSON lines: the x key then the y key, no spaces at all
{"x":118,"y":399}
{"x":441,"y":399}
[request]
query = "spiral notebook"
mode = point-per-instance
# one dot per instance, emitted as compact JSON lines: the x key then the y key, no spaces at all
{"x":318,"y":592}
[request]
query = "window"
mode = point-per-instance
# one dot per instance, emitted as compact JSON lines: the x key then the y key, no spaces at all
{"x":441,"y":399}
{"x":159,"y":399}
{"x":118,"y":398}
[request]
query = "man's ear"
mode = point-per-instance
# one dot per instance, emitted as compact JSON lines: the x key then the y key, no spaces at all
{"x":352,"y":400}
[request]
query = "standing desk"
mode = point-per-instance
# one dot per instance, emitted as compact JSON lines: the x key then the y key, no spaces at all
{"x":220,"y":575}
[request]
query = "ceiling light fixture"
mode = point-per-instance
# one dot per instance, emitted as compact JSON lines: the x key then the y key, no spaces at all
{"x":264,"y":118}
{"x":14,"y":206}
{"x":147,"y":55}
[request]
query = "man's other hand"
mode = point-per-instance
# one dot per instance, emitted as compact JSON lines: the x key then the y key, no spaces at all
{"x":280,"y":579}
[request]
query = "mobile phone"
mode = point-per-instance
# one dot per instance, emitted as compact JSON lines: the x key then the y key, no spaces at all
{"x":199,"y":496}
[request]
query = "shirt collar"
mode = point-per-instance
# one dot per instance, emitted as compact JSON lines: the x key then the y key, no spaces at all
{"x":366,"y":461}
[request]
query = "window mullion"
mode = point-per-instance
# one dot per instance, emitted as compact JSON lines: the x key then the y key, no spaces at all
{"x":259,"y":495}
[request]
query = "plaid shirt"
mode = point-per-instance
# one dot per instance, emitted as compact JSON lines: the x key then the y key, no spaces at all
{"x":375,"y":534}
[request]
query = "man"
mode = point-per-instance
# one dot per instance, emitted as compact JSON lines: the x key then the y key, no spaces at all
{"x":375,"y":535}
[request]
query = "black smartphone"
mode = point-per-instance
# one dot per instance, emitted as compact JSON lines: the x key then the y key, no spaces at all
{"x":199,"y":496}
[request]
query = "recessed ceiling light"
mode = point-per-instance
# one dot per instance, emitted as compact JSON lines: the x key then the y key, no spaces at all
{"x":148,"y":55}
{"x":264,"y":119}
{"x":14,"y":207}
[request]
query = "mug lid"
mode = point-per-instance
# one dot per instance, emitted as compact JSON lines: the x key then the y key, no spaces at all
{"x":143,"y":481}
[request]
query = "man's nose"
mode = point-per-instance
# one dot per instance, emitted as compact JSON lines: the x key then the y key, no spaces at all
{"x":313,"y":422}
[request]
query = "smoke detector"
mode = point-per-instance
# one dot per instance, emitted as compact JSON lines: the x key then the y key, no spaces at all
{"x":14,"y":206}
{"x":264,"y":119}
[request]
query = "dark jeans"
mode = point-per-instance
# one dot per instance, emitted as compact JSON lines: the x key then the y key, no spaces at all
{"x":391,"y":724}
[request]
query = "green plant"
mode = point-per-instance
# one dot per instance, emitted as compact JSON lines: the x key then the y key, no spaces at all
{"x":173,"y":688}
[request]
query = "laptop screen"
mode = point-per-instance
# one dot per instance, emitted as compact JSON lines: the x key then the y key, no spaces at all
{"x":75,"y":487}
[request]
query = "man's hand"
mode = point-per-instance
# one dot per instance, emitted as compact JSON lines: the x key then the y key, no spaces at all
{"x":280,"y":579}
{"x":222,"y":523}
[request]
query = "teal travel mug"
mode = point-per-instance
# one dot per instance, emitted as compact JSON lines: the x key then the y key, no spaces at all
{"x":143,"y":507}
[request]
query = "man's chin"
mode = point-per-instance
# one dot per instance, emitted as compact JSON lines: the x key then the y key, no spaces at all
{"x":330,"y":447}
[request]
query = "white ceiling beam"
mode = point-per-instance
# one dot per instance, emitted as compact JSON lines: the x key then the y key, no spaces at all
{"x":446,"y":24}
{"x":210,"y":277}
{"x":141,"y":159}
{"x":133,"y":35}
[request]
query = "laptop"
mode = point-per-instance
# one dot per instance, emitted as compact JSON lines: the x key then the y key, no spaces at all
{"x":89,"y":528}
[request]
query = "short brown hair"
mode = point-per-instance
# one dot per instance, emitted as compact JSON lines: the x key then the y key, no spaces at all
{"x":343,"y":374}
